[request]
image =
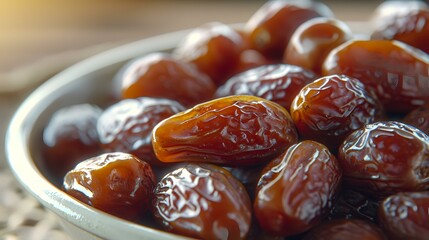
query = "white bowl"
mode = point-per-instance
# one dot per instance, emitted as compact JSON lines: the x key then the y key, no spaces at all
{"x":87,"y":81}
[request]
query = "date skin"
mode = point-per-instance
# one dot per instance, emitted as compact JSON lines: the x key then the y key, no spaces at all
{"x":419,"y":118}
{"x":410,"y":27}
{"x":297,"y":189}
{"x":331,"y":107}
{"x":346,"y":229}
{"x":161,"y":75}
{"x":235,"y":130}
{"x":116,"y":183}
{"x":69,"y":138}
{"x":272,"y":25}
{"x":313,"y":40}
{"x":126,"y":126}
{"x":406,"y":215}
{"x":279,"y":83}
{"x":214,"y":48}
{"x":385,"y":158}
{"x":396,"y":72}
{"x":203,"y":201}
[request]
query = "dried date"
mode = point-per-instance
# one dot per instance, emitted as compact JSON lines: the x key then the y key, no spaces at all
{"x":236,"y":130}
{"x":203,"y":201}
{"x":297,"y":189}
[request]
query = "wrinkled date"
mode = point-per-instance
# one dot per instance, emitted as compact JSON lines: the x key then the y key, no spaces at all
{"x":406,"y":215}
{"x":331,"y":107}
{"x":297,"y":189}
{"x":116,"y":183}
{"x":386,"y":157}
{"x":419,"y":118}
{"x":396,"y":72}
{"x":203,"y":201}
{"x":236,"y":130}
{"x":342,"y":229}
{"x":279,"y":83}
{"x":410,"y":27}
{"x":126,"y":126}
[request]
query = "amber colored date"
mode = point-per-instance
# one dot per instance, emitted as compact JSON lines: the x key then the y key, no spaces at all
{"x":396,"y":72}
{"x":214,"y":48}
{"x":69,"y":138}
{"x":279,"y":83}
{"x":203,"y":201}
{"x":161,"y":75}
{"x":116,"y":183}
{"x":386,"y":157}
{"x":330,"y":108}
{"x":313,"y":40}
{"x":406,"y":215}
{"x":344,"y":229}
{"x":273,"y":24}
{"x":297,"y":189}
{"x":236,"y":130}
{"x":126,"y":126}
{"x":410,"y":27}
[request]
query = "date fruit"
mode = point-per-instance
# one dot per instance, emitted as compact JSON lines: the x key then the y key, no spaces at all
{"x":214,"y":48}
{"x":235,"y":130}
{"x":395,"y":71}
{"x":126,"y":126}
{"x":279,"y":83}
{"x":203,"y":201}
{"x":385,"y":158}
{"x":69,"y":138}
{"x":297,"y":189}
{"x":313,"y":40}
{"x":331,"y":107}
{"x":419,"y":118}
{"x":272,"y":25}
{"x":161,"y":75}
{"x":406,"y":215}
{"x":116,"y":183}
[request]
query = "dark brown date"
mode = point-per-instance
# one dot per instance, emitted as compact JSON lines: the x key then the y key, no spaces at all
{"x":410,"y":27}
{"x":346,"y":229}
{"x":406,"y":215}
{"x":116,"y":183}
{"x":313,"y":40}
{"x":214,"y":48}
{"x":330,"y":108}
{"x":279,"y":83}
{"x":386,"y":157}
{"x":126,"y":126}
{"x":273,"y":24}
{"x":297,"y":189}
{"x":69,"y":138}
{"x":396,"y":72}
{"x":236,"y":130}
{"x":419,"y":118}
{"x":203,"y":201}
{"x":160,"y":75}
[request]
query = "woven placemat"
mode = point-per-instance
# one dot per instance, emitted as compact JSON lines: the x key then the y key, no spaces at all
{"x":22,"y":217}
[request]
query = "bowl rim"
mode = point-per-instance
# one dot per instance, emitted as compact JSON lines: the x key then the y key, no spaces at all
{"x":24,"y":169}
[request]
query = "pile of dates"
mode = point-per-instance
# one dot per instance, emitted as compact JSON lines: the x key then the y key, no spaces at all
{"x":291,"y":127}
